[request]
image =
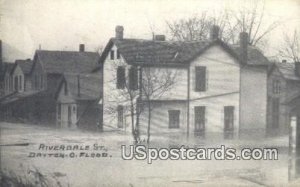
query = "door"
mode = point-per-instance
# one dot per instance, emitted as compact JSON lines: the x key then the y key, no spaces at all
{"x":199,"y":120}
{"x":228,"y":122}
{"x":69,"y":115}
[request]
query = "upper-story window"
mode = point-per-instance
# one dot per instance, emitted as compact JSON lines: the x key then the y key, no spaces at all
{"x":133,"y":78}
{"x":200,"y":78}
{"x":20,"y":82}
{"x":121,"y":81}
{"x":112,"y":54}
{"x":276,"y":87}
{"x":118,"y":54}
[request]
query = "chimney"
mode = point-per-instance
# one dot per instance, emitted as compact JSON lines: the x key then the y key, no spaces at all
{"x":78,"y":85}
{"x":81,"y":47}
{"x":244,"y":47}
{"x":297,"y":68}
{"x":160,"y":38}
{"x":1,"y":60}
{"x":119,"y":32}
{"x":214,"y":32}
{"x":283,"y":61}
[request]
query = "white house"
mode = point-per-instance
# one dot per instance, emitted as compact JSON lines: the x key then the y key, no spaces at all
{"x":217,"y":88}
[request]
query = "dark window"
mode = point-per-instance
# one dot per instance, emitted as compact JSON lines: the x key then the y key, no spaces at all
{"x":228,"y":121}
{"x":199,"y":120}
{"x":200,"y":78}
{"x":174,"y":118}
{"x":118,"y":54}
{"x":121,"y":77}
{"x":276,"y":87}
{"x":66,"y":89}
{"x":16,"y":83}
{"x":120,"y":116}
{"x":112,"y":54}
{"x":20,"y":82}
{"x":133,"y":78}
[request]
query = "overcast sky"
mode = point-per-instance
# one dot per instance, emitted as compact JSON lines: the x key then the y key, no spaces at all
{"x":64,"y":24}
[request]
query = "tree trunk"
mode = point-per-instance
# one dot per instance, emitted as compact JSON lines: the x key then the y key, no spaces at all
{"x":132,"y":121}
{"x":149,"y":122}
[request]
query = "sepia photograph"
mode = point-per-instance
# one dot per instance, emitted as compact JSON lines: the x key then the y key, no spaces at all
{"x":133,"y":93}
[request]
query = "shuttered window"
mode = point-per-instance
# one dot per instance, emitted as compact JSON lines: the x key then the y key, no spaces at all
{"x":133,"y":78}
{"x":121,"y":77}
{"x":200,"y":78}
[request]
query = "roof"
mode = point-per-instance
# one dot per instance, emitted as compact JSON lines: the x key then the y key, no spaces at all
{"x":67,"y":61}
{"x":25,"y":65}
{"x":89,"y":84}
{"x":287,"y":70}
{"x":170,"y":52}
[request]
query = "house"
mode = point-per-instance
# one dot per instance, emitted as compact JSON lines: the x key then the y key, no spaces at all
{"x":79,"y":102}
{"x":42,"y":83}
{"x":283,"y":86}
{"x":219,"y":88}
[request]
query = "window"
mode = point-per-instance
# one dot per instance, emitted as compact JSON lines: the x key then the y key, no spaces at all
{"x":133,"y":78}
{"x":112,"y":54}
{"x":228,"y":121}
{"x":174,"y":119}
{"x":276,"y":87}
{"x":120,"y":116}
{"x":200,"y":78}
{"x":20,"y":82}
{"x":36,"y":82}
{"x":66,"y":89}
{"x":121,"y":77}
{"x":199,"y":112}
{"x":16,"y":83}
{"x":74,"y":109}
{"x":118,"y":54}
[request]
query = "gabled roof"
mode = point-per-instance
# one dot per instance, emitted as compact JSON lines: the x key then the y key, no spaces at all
{"x":174,"y":53}
{"x":67,"y":61}
{"x":287,"y":70}
{"x":25,"y":65}
{"x":89,"y":86}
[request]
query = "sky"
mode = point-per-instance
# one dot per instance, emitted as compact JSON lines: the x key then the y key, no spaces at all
{"x":64,"y":24}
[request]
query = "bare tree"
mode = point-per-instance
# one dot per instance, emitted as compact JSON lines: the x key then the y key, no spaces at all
{"x":155,"y":83}
{"x":250,"y":18}
{"x":291,"y":47}
{"x":191,"y":29}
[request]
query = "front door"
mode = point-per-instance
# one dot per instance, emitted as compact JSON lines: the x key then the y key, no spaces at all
{"x":228,"y":122}
{"x":275,"y":113}
{"x":199,"y":120}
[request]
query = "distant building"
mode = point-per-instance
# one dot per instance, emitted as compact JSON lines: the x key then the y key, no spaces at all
{"x":41,"y":80}
{"x":283,"y":86}
{"x":219,"y":89}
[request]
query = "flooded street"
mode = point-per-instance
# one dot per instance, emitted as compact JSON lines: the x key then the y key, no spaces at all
{"x":112,"y":170}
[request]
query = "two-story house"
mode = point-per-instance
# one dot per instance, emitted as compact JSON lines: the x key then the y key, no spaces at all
{"x":219,"y":88}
